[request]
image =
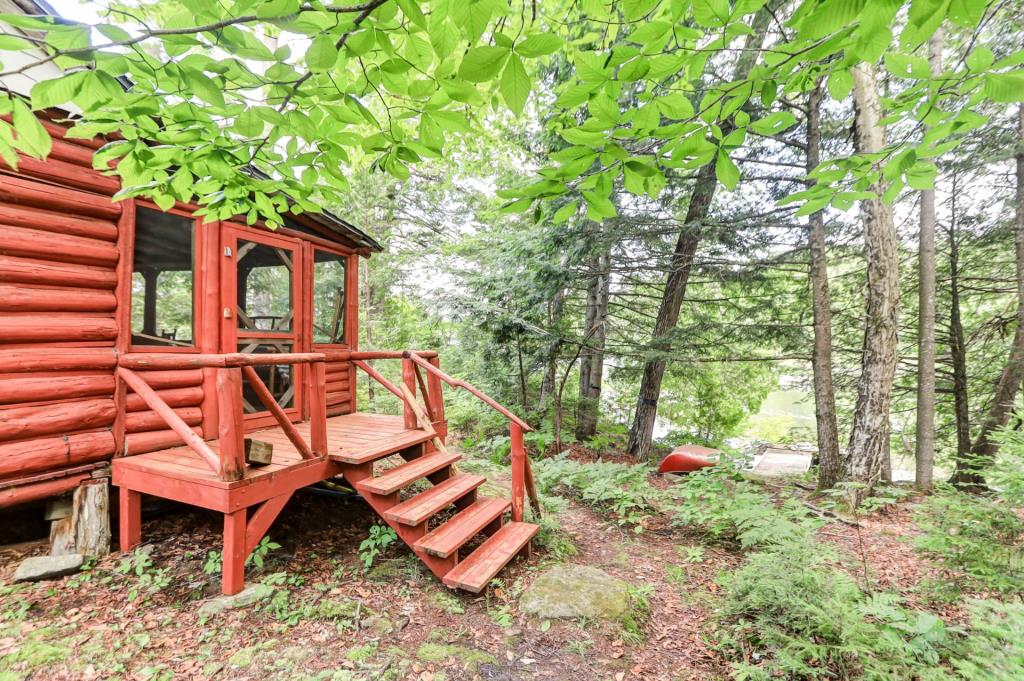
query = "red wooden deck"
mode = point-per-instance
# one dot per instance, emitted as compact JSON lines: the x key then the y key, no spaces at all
{"x":180,"y":474}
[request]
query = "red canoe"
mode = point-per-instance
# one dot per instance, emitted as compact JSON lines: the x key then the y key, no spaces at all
{"x":687,"y":458}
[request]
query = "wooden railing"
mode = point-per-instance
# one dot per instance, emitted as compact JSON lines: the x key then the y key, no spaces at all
{"x":412,"y":379}
{"x":229,"y":463}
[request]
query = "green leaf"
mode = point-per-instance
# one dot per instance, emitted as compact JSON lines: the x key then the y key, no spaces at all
{"x":773,"y":124}
{"x":1005,"y":87}
{"x":840,"y":84}
{"x":12,"y":43}
{"x":565,"y":212}
{"x":966,"y":13}
{"x":907,"y":66}
{"x":483,"y":63}
{"x":515,"y":84}
{"x":711,"y":13}
{"x":57,"y":91}
{"x":274,"y":9}
{"x":539,"y":44}
{"x":32,"y":136}
{"x":726,"y":171}
{"x":979,"y":59}
{"x":321,"y":55}
{"x":598,"y":207}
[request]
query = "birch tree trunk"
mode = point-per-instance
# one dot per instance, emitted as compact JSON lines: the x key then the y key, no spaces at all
{"x":1001,"y":408}
{"x":924,"y":447}
{"x":869,"y":437}
{"x":592,"y":356}
{"x":830,"y":463}
{"x":642,"y":430}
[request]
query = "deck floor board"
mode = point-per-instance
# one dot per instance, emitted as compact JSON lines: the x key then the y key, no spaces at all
{"x":359,"y":435}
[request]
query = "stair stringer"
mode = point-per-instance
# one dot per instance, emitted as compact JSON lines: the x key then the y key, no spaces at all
{"x":409,"y":534}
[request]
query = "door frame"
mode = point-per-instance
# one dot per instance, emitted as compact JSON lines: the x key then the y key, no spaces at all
{"x":231,"y":233}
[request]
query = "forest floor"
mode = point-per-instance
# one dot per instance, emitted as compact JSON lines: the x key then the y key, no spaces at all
{"x":329,"y":618}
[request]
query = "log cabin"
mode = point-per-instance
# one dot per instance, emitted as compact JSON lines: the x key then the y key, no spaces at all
{"x":214,"y":364}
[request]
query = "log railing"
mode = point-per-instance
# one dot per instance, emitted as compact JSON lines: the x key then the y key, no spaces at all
{"x":229,"y":462}
{"x":412,"y":378}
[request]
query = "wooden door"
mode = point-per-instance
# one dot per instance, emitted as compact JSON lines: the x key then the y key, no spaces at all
{"x":261,"y":297}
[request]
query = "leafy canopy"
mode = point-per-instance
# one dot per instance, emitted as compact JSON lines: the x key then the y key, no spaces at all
{"x":236,"y":105}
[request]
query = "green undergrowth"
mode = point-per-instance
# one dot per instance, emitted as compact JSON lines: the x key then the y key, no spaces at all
{"x":802,"y":608}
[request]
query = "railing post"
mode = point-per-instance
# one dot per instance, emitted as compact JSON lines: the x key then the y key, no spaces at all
{"x":229,"y":427}
{"x":409,"y":379}
{"x":436,"y":399}
{"x":518,"y":457}
{"x":318,"y":408}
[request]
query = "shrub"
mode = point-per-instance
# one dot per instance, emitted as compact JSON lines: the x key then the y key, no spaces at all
{"x":620,"y":489}
{"x":994,"y":648}
{"x":976,"y":538}
{"x":722,"y":505}
{"x":789,"y":613}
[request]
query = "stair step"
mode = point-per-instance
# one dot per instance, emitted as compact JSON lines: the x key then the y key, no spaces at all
{"x":400,"y":476}
{"x":425,"y":504}
{"x":446,"y":539}
{"x":478,"y":569}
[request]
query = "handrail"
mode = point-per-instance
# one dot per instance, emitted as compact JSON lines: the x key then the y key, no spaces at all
{"x":522,"y":471}
{"x":171,"y":360}
{"x":229,"y":463}
{"x":377,"y":376}
{"x":170,"y":417}
{"x":456,"y":383}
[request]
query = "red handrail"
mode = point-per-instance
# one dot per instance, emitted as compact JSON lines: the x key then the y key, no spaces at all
{"x":229,"y":463}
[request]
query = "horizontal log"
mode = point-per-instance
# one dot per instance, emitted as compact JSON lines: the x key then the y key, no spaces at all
{"x":143,"y":421}
{"x":23,"y":494}
{"x":50,"y":453}
{"x":21,"y":423}
{"x":176,"y":397}
{"x":338,"y":398}
{"x":27,"y":298}
{"x":53,"y":328}
{"x":49,"y":387}
{"x":71,"y":151}
{"x":58,"y":222}
{"x":154,"y":440}
{"x":53,"y":359}
{"x":174,"y":378}
{"x":338,"y":369}
{"x":154,"y":360}
{"x":36,"y":243}
{"x":348,"y":355}
{"x":59,"y":131}
{"x":67,"y":174}
{"x":337,"y":387}
{"x":15,"y":270}
{"x":25,"y":191}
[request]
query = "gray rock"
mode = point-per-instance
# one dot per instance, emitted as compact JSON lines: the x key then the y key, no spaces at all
{"x":48,"y":567}
{"x":576,"y":591}
{"x":252,"y":593}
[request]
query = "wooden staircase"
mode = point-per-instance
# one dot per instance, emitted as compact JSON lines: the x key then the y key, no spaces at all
{"x":425,"y":521}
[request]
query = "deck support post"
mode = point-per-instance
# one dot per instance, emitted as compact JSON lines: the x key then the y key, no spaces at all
{"x":409,"y":379}
{"x":233,"y":560}
{"x":130,"y":513}
{"x":436,"y":399}
{"x":230,"y":428}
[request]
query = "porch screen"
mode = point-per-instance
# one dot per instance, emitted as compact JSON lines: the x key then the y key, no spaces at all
{"x":162,"y":279}
{"x":329,"y":271}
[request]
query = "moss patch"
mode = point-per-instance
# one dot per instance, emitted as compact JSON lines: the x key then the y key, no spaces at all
{"x":470,"y":658}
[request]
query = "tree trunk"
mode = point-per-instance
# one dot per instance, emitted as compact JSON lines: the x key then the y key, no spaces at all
{"x":924,"y":448}
{"x":957,"y":345}
{"x":830,"y":463}
{"x":642,"y":431}
{"x":547,"y":384}
{"x":592,"y":356}
{"x":1001,"y":408}
{"x":869,"y":438}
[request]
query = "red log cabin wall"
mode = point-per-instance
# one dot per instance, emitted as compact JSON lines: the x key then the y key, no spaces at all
{"x":65,"y":306}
